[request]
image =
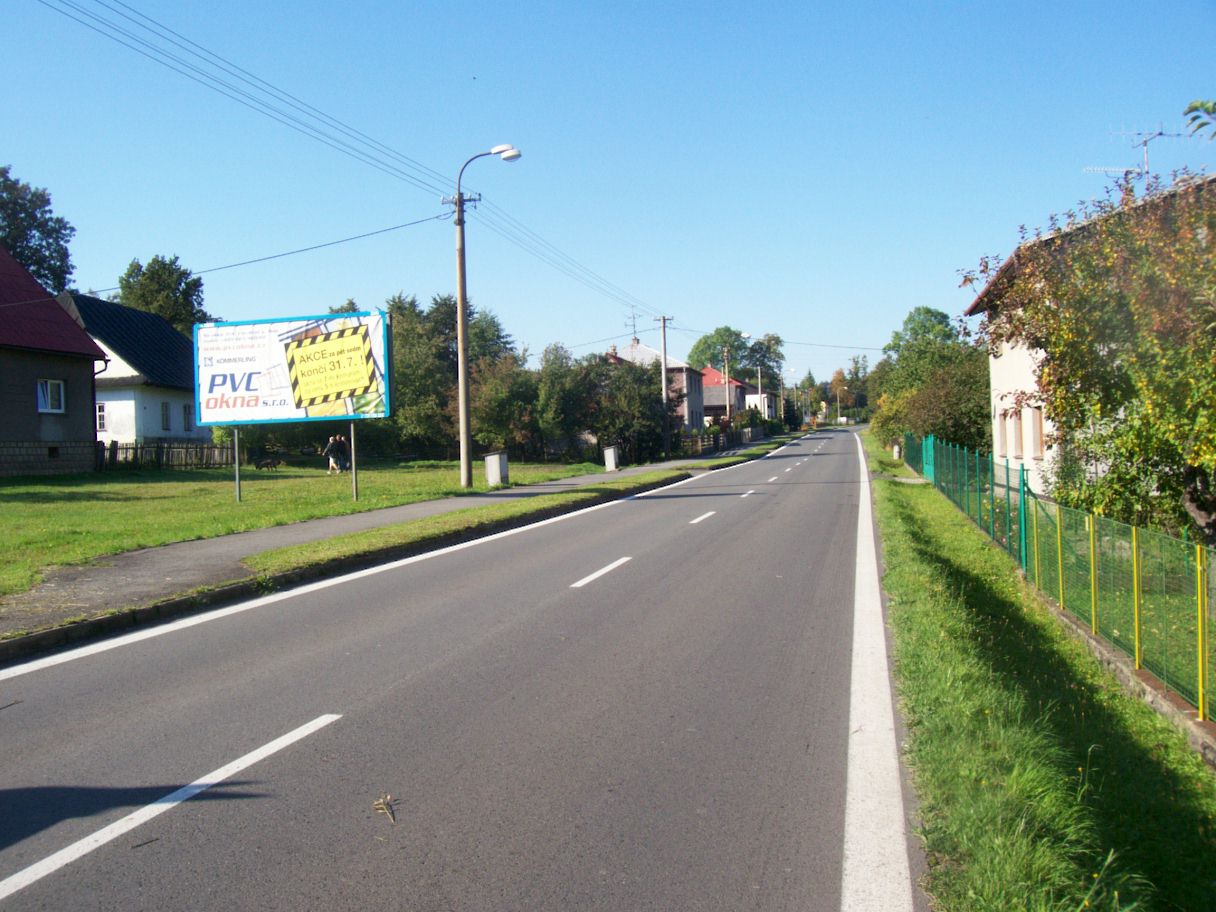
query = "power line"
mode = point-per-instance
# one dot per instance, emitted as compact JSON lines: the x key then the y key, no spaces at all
{"x":277,"y":104}
{"x":273,"y":256}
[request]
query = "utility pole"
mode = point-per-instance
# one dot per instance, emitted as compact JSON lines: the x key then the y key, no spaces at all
{"x":726,"y":374}
{"x":662,"y":321}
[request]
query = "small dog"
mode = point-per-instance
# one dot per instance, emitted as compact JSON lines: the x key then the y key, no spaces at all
{"x":269,"y":463}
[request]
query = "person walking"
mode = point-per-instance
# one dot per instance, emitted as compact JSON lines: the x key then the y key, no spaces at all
{"x":333,"y":452}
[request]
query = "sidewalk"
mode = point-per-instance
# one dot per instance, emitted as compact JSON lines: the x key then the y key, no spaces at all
{"x":156,"y":583}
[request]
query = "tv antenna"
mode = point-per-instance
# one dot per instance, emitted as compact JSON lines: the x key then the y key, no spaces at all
{"x":633,"y":320}
{"x":1141,"y":138}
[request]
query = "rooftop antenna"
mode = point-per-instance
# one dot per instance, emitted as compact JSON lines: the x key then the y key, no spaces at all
{"x":633,"y":320}
{"x":1141,"y":138}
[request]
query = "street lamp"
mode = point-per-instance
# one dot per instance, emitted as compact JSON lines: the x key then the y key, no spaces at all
{"x":506,"y":152}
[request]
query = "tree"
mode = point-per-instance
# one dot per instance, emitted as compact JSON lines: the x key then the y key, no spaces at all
{"x":349,"y":307}
{"x":563,"y":398}
{"x":1202,"y":116}
{"x":707,"y":351}
{"x":502,"y":404}
{"x":166,"y":288}
{"x":422,"y":383}
{"x":1118,"y":303}
{"x":36,"y":238}
{"x":765,"y":355}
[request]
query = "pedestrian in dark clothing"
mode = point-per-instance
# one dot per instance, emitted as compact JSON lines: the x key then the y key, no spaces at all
{"x":343,"y":452}
{"x":333,"y":452}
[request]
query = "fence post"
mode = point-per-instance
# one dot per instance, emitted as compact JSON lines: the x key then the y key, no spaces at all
{"x":1093,"y":573}
{"x":1136,"y":594}
{"x":992,"y":497}
{"x":1060,"y":551}
{"x":979,"y":493}
{"x":1034,"y":516}
{"x":1022,"y":515}
{"x":1008,"y":512}
{"x":1201,"y":597}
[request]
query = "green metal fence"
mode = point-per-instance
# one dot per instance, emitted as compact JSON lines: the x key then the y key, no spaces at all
{"x":1146,"y":593}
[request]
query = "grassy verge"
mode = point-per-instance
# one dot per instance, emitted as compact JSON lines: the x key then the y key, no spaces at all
{"x":1042,"y":785}
{"x":75,"y":519}
{"x":435,"y":530}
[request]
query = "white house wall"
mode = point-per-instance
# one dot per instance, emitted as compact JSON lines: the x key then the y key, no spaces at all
{"x":1018,"y":435}
{"x":133,"y":415}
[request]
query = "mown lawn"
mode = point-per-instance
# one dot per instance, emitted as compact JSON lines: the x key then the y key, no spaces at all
{"x":74,"y":519}
{"x":1042,"y":785}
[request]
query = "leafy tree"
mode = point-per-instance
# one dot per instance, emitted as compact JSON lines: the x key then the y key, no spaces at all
{"x":626,"y":407}
{"x":707,"y":351}
{"x":764,"y":355}
{"x":502,"y":404}
{"x":422,"y":383}
{"x":166,"y":288}
{"x":349,"y":307}
{"x":563,"y":397}
{"x":1202,"y":116}
{"x":1117,"y":301}
{"x":36,"y":239}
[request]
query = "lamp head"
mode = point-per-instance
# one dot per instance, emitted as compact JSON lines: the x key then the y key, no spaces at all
{"x":506,"y":152}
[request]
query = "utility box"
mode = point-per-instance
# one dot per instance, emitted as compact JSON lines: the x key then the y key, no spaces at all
{"x":610,"y":464}
{"x":496,"y":468}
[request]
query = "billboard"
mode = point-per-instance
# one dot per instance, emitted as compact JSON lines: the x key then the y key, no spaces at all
{"x":298,"y":369}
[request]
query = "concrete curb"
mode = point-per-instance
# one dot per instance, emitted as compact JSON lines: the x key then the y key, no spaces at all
{"x":178,"y":606}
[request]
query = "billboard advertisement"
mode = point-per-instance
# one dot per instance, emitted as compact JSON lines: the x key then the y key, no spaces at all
{"x":298,"y":369}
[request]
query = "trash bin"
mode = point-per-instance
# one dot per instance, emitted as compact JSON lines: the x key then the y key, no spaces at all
{"x":496,"y":468}
{"x":610,"y":459}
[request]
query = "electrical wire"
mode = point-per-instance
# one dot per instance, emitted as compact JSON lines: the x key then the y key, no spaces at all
{"x":267,"y":99}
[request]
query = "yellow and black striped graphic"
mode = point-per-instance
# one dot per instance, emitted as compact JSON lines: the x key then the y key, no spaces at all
{"x":330,"y":366}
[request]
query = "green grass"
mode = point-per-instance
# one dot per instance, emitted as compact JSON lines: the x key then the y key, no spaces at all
{"x":75,"y":519}
{"x":435,"y":530}
{"x":1043,"y":786}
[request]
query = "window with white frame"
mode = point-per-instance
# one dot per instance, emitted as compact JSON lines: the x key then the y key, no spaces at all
{"x":1017,"y":434}
{"x":165,"y":417}
{"x":1036,"y":433}
{"x":51,"y":396}
{"x":101,"y":416}
{"x":1000,"y":435}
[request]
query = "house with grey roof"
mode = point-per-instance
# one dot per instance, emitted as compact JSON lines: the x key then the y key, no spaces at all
{"x":683,"y":382}
{"x":146,"y":393}
{"x":46,"y":380}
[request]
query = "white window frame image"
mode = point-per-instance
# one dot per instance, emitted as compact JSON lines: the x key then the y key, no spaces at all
{"x":52,"y":397}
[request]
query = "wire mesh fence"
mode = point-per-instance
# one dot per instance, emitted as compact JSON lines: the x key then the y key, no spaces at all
{"x":1146,"y":593}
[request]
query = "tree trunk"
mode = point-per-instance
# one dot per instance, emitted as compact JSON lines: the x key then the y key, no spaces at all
{"x":1199,"y":499}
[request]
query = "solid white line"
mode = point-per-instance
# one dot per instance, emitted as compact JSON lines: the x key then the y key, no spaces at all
{"x":748,"y":493}
{"x":598,"y":573}
{"x":693,"y":522}
{"x":79,"y":849}
{"x":875,"y":872}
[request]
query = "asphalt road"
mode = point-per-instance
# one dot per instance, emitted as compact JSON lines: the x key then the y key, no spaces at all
{"x":671,"y":734}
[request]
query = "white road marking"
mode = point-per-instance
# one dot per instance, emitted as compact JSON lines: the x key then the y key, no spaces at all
{"x":771,"y":480}
{"x":598,"y":573}
{"x":875,"y":873}
{"x":138,"y":636}
{"x":701,"y":517}
{"x":748,"y":493}
{"x":79,"y":849}
{"x":790,"y":469}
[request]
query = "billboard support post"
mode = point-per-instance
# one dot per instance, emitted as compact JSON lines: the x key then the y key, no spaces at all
{"x":354,"y":472}
{"x":236,"y":460}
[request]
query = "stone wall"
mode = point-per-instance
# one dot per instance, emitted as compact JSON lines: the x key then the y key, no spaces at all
{"x":59,"y":458}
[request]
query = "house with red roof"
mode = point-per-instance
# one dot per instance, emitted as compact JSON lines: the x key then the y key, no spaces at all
{"x":46,"y":380}
{"x":716,"y":395}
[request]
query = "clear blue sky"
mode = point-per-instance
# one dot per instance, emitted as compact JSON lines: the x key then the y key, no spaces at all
{"x":811,"y":169}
